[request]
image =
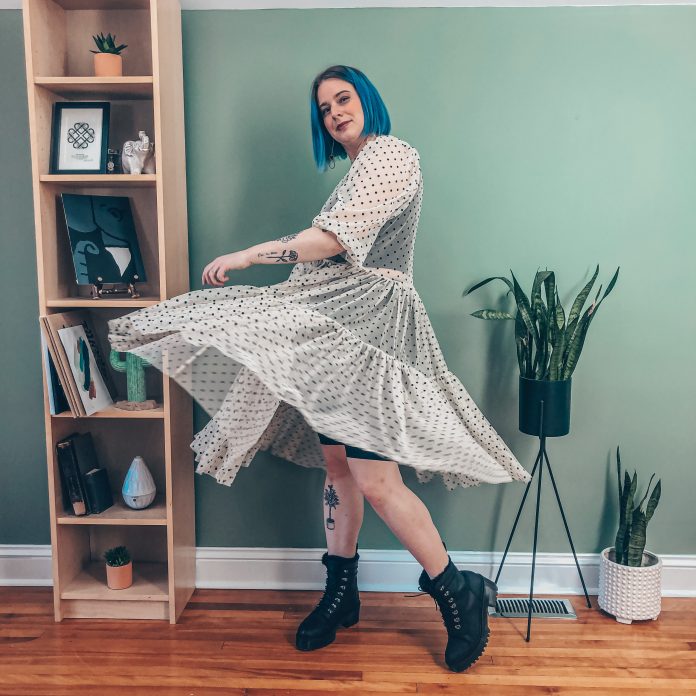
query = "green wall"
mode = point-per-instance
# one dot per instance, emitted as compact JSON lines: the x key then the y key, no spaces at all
{"x":549,"y":138}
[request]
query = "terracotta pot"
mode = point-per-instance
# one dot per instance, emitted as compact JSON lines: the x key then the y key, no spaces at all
{"x":119,"y":577}
{"x":108,"y":65}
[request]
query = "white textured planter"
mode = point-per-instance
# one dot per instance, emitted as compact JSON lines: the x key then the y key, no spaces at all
{"x":630,"y":593}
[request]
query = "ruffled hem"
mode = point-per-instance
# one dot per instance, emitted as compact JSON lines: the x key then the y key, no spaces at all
{"x":256,"y":395}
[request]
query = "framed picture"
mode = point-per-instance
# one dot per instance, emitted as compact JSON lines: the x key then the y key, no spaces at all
{"x":79,"y":137}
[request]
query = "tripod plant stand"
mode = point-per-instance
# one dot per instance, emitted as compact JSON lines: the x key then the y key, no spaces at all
{"x":534,"y":394}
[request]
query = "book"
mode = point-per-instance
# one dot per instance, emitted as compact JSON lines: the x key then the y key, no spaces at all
{"x":85,"y":483}
{"x":60,"y":320}
{"x":98,"y":490}
{"x":58,"y":363}
{"x":103,"y":241}
{"x":74,"y":499}
{"x":56,"y":395}
{"x":90,"y":383}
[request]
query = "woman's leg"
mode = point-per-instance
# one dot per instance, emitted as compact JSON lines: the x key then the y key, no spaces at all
{"x":402,"y":511}
{"x":343,"y":504}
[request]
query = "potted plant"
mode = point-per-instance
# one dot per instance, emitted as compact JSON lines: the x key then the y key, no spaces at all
{"x":119,"y":568}
{"x":548,"y":348}
{"x":107,"y":60}
{"x":630,"y":578}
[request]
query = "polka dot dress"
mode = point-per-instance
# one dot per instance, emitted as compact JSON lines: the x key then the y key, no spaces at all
{"x":343,"y":347}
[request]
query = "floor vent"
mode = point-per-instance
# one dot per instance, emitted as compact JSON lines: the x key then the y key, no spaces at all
{"x":542,"y":608}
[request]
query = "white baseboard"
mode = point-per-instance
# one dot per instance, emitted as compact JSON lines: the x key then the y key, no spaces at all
{"x":380,"y":570}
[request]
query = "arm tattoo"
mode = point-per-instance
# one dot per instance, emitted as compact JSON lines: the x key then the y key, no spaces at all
{"x":287,"y":237}
{"x":286,"y":256}
{"x":331,"y":499}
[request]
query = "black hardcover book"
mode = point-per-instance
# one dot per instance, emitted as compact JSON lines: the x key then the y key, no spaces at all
{"x":59,"y":398}
{"x":85,"y":453}
{"x":98,"y":491}
{"x":73,"y":493}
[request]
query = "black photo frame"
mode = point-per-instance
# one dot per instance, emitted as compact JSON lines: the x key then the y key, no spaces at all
{"x":79,"y":137}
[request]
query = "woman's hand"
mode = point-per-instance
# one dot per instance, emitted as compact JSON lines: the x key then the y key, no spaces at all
{"x":214,"y":272}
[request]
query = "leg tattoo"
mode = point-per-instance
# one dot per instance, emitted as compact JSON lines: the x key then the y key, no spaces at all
{"x":331,"y":499}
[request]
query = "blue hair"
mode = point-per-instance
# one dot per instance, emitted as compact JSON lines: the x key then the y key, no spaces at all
{"x":375,"y":112}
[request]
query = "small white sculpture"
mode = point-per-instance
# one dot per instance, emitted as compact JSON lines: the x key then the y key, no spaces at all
{"x":138,"y":156}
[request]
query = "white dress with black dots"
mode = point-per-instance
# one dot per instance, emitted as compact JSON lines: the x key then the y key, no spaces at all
{"x":343,"y":347}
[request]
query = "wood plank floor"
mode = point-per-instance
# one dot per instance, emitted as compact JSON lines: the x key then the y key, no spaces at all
{"x":241,"y":643}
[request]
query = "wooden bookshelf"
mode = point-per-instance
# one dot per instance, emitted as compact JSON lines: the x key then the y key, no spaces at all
{"x":149,"y":96}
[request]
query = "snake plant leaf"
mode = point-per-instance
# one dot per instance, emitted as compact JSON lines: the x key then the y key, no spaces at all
{"x":582,"y":296}
{"x":535,"y":297}
{"x":624,"y":533}
{"x":559,"y":340}
{"x":540,"y":357}
{"x":578,"y":339}
{"x":524,"y":309}
{"x":483,"y":282}
{"x":621,"y":531}
{"x":520,"y":355}
{"x":491,"y":314}
{"x":523,"y":337}
{"x":642,"y":500}
{"x":636,"y":541}
{"x":560,"y":313}
{"x":550,"y":287}
{"x":654,"y":500}
{"x":575,"y":347}
{"x":618,"y":470}
{"x":556,"y":361}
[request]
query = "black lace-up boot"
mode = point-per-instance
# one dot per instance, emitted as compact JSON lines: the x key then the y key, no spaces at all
{"x":340,"y":604}
{"x":463,"y":598}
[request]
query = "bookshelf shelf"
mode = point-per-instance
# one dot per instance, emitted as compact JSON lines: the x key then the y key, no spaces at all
{"x":113,"y":412}
{"x":103,"y":180}
{"x":66,"y":302}
{"x":149,"y":584}
{"x":128,"y":87}
{"x":149,"y":97}
{"x":120,"y":513}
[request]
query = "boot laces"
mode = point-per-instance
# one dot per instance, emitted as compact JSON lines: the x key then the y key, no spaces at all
{"x":447,"y":605}
{"x":334,"y":591}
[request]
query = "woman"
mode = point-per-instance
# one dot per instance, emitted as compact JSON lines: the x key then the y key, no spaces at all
{"x":338,"y":367}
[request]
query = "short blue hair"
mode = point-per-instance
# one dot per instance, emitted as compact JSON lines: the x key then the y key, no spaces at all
{"x":377,"y":120}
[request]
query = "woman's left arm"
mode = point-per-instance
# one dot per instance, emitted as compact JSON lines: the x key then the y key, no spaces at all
{"x":311,"y":244}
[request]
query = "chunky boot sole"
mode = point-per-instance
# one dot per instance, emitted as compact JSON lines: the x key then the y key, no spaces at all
{"x":304,"y":643}
{"x":490,"y":596}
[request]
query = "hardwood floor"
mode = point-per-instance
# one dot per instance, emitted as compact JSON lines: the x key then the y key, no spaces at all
{"x":241,"y":642}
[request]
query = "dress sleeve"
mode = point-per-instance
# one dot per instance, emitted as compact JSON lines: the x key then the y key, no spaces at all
{"x":379,"y":186}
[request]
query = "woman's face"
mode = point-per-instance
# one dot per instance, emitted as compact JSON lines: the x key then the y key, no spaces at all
{"x":339,"y":104}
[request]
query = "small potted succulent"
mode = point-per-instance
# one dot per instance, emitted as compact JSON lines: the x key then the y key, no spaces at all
{"x":630,"y":582}
{"x":548,"y":348}
{"x":107,"y":60}
{"x":119,"y":568}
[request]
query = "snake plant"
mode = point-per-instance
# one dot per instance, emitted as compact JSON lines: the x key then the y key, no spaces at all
{"x":548,"y":347}
{"x":633,"y":522}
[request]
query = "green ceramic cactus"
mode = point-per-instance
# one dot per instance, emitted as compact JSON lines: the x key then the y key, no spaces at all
{"x":134,"y":367}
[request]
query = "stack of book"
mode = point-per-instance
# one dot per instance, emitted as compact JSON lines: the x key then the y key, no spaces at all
{"x":76,"y":373}
{"x":84,"y":483}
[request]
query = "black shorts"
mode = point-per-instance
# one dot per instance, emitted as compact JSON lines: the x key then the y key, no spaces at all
{"x":353,"y":452}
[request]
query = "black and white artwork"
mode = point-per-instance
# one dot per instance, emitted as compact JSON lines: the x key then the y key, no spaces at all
{"x":103,"y":239}
{"x":79,"y":137}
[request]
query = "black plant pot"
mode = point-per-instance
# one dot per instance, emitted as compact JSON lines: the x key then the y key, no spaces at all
{"x":556,"y":397}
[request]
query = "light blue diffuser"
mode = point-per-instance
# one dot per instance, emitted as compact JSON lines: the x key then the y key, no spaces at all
{"x":139,"y":487}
